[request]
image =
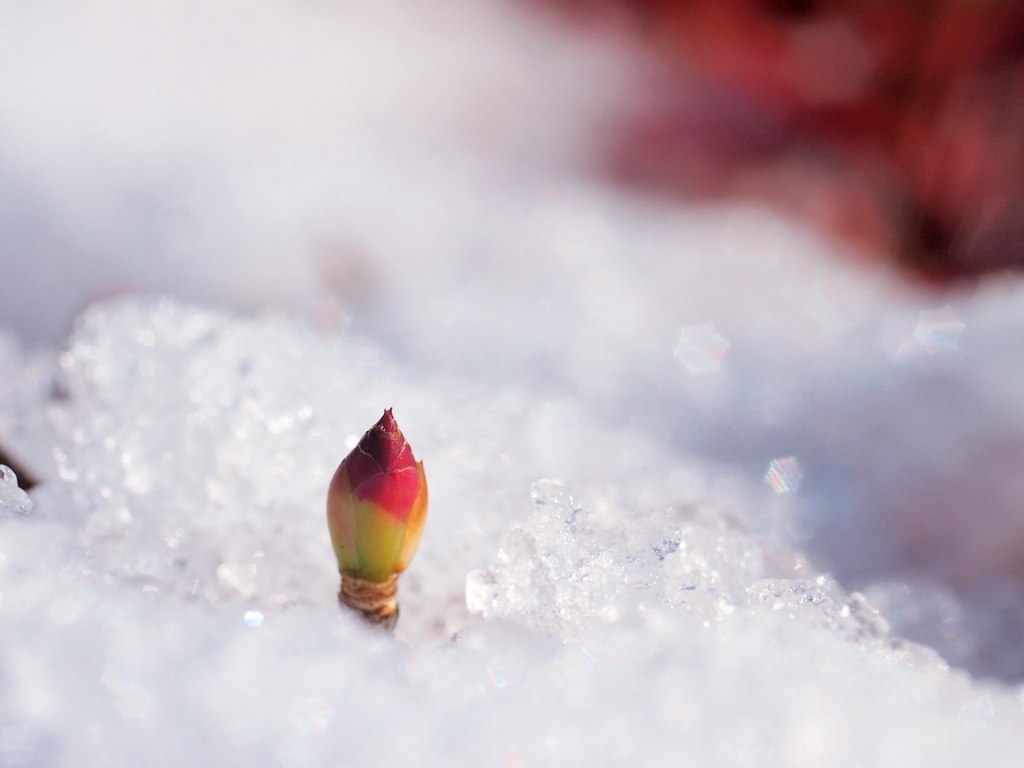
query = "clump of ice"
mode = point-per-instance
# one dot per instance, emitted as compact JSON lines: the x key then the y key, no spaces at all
{"x":13,"y":500}
{"x":565,"y":569}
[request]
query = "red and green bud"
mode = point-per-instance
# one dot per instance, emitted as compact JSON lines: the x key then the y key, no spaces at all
{"x":377,"y":504}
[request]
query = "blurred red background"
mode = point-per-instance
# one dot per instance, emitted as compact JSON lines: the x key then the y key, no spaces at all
{"x":894,"y":125}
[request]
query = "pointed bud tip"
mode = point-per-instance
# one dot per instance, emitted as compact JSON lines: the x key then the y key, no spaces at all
{"x":382,"y":449}
{"x":387,"y":422}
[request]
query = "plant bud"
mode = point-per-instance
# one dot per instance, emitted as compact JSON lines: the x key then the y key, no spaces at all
{"x":376,"y":507}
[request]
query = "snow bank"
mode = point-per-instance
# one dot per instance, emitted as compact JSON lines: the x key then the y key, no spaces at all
{"x":171,"y":599}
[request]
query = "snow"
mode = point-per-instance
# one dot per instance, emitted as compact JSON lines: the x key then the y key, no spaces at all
{"x":703,"y":490}
{"x":13,"y":500}
{"x":174,"y":584}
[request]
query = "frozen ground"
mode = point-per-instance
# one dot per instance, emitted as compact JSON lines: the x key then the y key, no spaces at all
{"x":664,"y":445}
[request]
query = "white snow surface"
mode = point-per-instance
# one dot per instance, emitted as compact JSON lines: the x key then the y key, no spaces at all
{"x":172,"y":597}
{"x":703,"y":491}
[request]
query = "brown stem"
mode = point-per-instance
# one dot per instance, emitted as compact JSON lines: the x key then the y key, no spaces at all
{"x":376,"y":600}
